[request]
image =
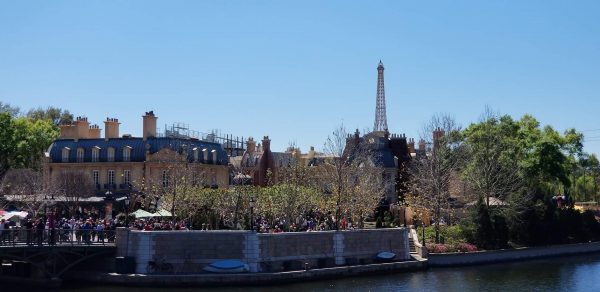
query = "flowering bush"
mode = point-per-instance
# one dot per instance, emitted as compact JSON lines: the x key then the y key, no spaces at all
{"x":443,"y":248}
{"x":437,"y":248}
{"x":466,"y":247}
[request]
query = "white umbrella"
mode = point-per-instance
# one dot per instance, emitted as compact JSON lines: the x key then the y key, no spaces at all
{"x":141,"y":214}
{"x":162,"y":213}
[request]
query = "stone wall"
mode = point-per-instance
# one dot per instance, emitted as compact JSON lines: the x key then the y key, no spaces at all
{"x":494,"y":256}
{"x":191,"y":251}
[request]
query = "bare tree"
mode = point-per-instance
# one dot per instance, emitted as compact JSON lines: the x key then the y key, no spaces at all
{"x":23,"y":186}
{"x":72,"y":186}
{"x":432,"y":172}
{"x":353,"y":175}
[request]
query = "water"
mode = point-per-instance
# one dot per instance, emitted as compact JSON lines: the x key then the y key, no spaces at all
{"x":577,"y":273}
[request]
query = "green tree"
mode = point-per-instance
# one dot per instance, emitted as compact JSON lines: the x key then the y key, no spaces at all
{"x":31,"y":139}
{"x":7,"y":142}
{"x":7,"y":108}
{"x":56,"y":115}
{"x":492,"y":170}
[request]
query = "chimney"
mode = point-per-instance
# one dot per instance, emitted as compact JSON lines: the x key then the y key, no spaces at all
{"x":251,"y":145}
{"x":94,"y":132}
{"x":266,"y":144}
{"x":311,"y":153}
{"x":149,"y":125}
{"x":422,"y":145}
{"x":82,"y":125}
{"x":411,"y":145}
{"x":437,"y":134}
{"x":68,"y":131}
{"x":111,"y":128}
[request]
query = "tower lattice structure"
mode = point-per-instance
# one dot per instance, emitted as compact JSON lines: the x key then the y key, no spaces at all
{"x":380,"y":116}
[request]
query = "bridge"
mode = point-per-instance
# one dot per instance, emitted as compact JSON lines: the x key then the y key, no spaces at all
{"x":50,"y":253}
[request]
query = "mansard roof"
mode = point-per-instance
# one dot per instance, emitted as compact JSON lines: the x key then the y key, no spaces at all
{"x":138,"y":148}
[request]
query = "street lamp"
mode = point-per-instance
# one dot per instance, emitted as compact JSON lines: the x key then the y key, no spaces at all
{"x":50,"y":217}
{"x":352,"y":211}
{"x":252,"y":212}
{"x":423,"y":224}
{"x":127,"y":211}
{"x":109,"y":202}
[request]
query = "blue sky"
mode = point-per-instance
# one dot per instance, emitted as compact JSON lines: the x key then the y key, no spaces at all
{"x":297,"y":70}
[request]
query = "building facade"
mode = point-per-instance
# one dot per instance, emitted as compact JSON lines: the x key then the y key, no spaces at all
{"x":122,"y":164}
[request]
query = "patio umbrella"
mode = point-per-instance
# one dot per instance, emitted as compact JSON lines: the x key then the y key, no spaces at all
{"x":141,"y":214}
{"x":162,"y":213}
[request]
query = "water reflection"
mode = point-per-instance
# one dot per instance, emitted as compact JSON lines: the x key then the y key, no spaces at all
{"x":577,"y":273}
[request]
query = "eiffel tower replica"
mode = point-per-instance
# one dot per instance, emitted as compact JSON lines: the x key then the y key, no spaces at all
{"x":381,"y":126}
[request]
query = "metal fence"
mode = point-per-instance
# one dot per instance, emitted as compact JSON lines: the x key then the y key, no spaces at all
{"x":57,"y":236}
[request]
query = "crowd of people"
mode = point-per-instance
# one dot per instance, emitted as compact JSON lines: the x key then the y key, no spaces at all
{"x":87,"y":230}
{"x":45,"y":230}
{"x":310,"y":223}
{"x":158,"y":224}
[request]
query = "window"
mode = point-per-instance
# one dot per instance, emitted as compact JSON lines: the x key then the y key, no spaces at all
{"x":95,"y":153}
{"x":65,"y":154}
{"x":165,"y":179}
{"x":214,"y":156}
{"x":80,"y":153}
{"x":110,"y":154}
{"x":96,"y":177}
{"x":126,"y":177}
{"x":111,"y":178}
{"x":127,"y":154}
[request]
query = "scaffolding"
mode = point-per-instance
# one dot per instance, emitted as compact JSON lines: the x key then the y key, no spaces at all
{"x":234,"y":146}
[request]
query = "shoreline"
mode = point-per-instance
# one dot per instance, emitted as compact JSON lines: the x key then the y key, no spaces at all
{"x":446,"y":260}
{"x":278,"y":278}
{"x":248,"y":279}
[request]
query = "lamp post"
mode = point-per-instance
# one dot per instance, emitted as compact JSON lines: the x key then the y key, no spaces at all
{"x":252,"y":212}
{"x":423,"y":224}
{"x":127,"y":211}
{"x":352,"y":211}
{"x":337,"y":215}
{"x":50,"y":218}
{"x":108,"y":208}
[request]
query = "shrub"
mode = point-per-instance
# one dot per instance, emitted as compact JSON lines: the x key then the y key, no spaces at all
{"x":466,"y":247}
{"x":437,"y":248}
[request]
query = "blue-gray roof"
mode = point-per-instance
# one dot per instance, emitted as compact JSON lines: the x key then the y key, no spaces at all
{"x":379,"y":151}
{"x":138,"y":148}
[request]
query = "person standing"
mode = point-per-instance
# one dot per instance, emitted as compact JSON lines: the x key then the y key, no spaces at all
{"x":29,"y":231}
{"x":2,"y":232}
{"x":40,"y":226}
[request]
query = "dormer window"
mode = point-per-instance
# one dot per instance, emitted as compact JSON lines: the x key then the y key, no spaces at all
{"x":80,"y":153}
{"x":214,"y":156}
{"x":95,"y":153}
{"x":65,"y":154}
{"x":110,"y":154}
{"x":205,"y":155}
{"x":196,"y":150}
{"x":127,"y":153}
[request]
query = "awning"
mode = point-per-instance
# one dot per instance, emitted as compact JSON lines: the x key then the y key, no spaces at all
{"x":162,"y":213}
{"x":142,"y":214}
{"x":14,"y":215}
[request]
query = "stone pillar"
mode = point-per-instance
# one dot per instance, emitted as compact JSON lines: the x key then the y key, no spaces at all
{"x":122,"y":241}
{"x":252,"y":251}
{"x":141,"y":246}
{"x":338,"y":248}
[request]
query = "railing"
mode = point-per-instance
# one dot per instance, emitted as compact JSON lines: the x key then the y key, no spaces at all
{"x":57,"y":236}
{"x":421,"y":250}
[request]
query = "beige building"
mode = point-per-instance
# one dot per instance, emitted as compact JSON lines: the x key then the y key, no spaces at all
{"x":122,"y":164}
